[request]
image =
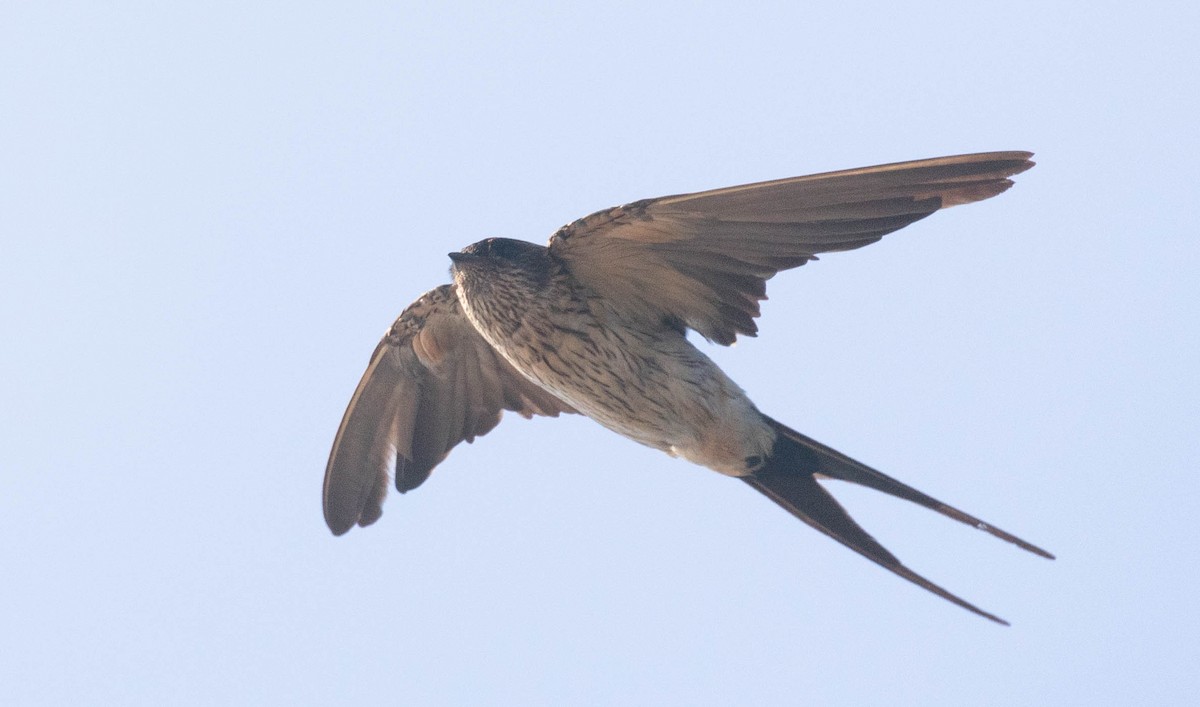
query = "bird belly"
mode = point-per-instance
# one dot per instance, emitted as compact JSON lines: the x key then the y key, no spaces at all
{"x":652,"y":387}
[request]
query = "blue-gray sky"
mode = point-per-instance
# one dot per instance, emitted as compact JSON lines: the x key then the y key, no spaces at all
{"x":210,"y":212}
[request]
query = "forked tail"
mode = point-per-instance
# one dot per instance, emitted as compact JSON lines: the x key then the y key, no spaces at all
{"x":789,"y":478}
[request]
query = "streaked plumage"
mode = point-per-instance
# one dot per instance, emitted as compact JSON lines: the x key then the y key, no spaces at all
{"x":596,"y":323}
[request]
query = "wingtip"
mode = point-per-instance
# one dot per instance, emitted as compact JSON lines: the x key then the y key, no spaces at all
{"x":1025,"y":165}
{"x":338,"y":528}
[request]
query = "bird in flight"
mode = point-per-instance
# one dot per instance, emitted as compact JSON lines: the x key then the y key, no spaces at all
{"x":596,"y":323}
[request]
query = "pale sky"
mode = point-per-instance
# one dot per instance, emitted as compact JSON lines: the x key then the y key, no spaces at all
{"x":210,"y":212}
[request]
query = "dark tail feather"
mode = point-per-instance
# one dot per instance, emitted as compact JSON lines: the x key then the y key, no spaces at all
{"x":820,"y":459}
{"x":789,"y":479}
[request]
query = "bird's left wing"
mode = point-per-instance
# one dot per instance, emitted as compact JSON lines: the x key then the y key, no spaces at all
{"x":702,"y":260}
{"x":433,"y":382}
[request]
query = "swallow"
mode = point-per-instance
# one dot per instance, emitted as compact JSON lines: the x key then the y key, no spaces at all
{"x":596,"y":323}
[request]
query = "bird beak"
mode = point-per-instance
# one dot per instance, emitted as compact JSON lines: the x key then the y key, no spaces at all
{"x":460,"y":257}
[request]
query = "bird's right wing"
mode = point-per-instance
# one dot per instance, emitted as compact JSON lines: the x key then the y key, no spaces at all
{"x":433,"y":382}
{"x":702,"y":260}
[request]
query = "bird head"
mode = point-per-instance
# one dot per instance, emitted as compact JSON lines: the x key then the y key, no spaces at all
{"x":502,"y":273}
{"x":501,"y":260}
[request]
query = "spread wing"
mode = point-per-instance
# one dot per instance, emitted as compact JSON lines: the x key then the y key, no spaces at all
{"x":703,"y":259}
{"x":433,"y":382}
